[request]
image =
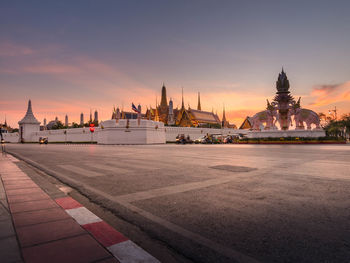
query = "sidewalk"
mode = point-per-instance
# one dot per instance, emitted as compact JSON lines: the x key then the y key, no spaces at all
{"x":34,"y":228}
{"x":9,"y":249}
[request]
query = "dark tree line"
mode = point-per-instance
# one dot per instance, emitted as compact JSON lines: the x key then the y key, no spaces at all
{"x":336,"y":128}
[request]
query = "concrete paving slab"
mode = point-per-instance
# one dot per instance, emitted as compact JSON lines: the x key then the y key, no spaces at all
{"x":39,"y":216}
{"x":24,"y":191}
{"x":4,"y":213}
{"x":26,"y":198}
{"x":32,"y":205}
{"x":9,"y":250}
{"x":45,"y":232}
{"x":6,"y":228}
{"x":79,"y":249}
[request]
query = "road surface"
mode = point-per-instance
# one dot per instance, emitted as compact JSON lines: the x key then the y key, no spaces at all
{"x":216,"y":203}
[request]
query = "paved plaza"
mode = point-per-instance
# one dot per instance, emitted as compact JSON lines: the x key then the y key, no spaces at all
{"x":215,"y":203}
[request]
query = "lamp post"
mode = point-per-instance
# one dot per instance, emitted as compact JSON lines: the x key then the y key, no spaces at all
{"x":333,"y":113}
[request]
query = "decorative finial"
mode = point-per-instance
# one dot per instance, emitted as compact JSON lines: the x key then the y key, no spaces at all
{"x":199,"y":107}
{"x":183,"y":104}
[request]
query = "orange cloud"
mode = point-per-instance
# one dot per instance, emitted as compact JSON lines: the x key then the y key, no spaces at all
{"x":328,"y":94}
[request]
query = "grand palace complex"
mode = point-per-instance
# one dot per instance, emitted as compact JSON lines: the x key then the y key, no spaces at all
{"x":166,"y":113}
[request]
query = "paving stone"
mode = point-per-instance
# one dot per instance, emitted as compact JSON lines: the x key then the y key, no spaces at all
{"x":32,"y":205}
{"x":9,"y":250}
{"x":24,"y":181}
{"x":20,"y":185}
{"x":71,"y":250}
{"x":39,"y":216}
{"x":4,"y":214}
{"x":45,"y":232}
{"x":26,"y":198}
{"x":25,"y":191}
{"x":6,"y":228}
{"x":17,"y":178}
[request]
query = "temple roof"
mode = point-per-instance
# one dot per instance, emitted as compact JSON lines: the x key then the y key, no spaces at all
{"x":29,"y":117}
{"x":205,"y":116}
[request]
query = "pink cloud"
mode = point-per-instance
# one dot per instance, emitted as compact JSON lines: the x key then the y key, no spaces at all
{"x":8,"y":49}
{"x":51,"y":68}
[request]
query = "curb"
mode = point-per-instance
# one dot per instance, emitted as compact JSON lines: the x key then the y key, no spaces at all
{"x":120,"y":246}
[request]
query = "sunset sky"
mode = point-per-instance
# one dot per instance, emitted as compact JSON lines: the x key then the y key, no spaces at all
{"x":72,"y":56}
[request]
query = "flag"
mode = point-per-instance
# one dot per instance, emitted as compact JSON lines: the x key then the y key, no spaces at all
{"x":134,"y":108}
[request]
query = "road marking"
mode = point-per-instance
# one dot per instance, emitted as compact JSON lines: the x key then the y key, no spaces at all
{"x":108,"y":167}
{"x":175,"y":189}
{"x":79,"y":170}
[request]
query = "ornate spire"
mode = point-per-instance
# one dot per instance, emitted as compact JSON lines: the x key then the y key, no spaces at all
{"x":282,"y":83}
{"x":223,"y":115}
{"x":183,"y":104}
{"x":29,"y":117}
{"x":199,"y":102}
{"x":163,"y":102}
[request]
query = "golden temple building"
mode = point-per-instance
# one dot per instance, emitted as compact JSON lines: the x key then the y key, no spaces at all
{"x":182,"y":117}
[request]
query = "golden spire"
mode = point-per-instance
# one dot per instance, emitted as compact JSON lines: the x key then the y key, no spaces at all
{"x":199,"y":102}
{"x":183,"y":104}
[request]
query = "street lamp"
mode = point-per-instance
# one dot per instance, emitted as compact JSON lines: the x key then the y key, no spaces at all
{"x":333,"y":113}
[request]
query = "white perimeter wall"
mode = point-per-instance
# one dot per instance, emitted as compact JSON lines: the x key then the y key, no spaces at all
{"x":195,"y":133}
{"x":71,"y":135}
{"x":84,"y":135}
{"x":11,"y":137}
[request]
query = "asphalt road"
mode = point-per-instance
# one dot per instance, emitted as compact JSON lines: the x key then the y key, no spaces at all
{"x":217,"y":203}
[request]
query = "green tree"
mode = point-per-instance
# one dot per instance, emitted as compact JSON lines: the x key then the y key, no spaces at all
{"x":58,"y":125}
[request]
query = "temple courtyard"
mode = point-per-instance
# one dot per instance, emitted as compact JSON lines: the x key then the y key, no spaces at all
{"x":209,"y":203}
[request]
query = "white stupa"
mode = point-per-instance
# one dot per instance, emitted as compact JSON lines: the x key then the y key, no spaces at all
{"x":28,"y":125}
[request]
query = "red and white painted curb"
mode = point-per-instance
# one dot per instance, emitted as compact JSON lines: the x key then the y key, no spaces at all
{"x":120,"y":246}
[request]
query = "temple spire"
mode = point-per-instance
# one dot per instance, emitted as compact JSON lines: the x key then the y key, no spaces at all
{"x":223,"y":114}
{"x":164,"y":102}
{"x":183,"y":104}
{"x":199,"y":102}
{"x":29,"y":117}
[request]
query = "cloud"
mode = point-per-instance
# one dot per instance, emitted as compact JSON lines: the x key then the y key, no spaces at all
{"x":51,"y":68}
{"x":329,"y":94}
{"x":8,"y":49}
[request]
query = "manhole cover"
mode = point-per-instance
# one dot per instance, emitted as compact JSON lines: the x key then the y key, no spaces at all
{"x":233,"y":168}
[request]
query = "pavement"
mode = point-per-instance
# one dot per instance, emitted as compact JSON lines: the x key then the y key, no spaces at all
{"x":34,"y":227}
{"x":212,"y":203}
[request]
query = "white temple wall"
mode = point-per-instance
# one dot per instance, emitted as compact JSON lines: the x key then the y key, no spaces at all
{"x":67,"y":135}
{"x":132,"y":132}
{"x":195,"y":133}
{"x":148,"y":132}
{"x":28,"y":131}
{"x":11,"y":137}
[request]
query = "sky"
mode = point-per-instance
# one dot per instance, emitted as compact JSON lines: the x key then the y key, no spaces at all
{"x":72,"y":56}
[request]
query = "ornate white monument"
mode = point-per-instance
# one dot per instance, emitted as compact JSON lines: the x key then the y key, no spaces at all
{"x":28,"y":125}
{"x":281,"y":110}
